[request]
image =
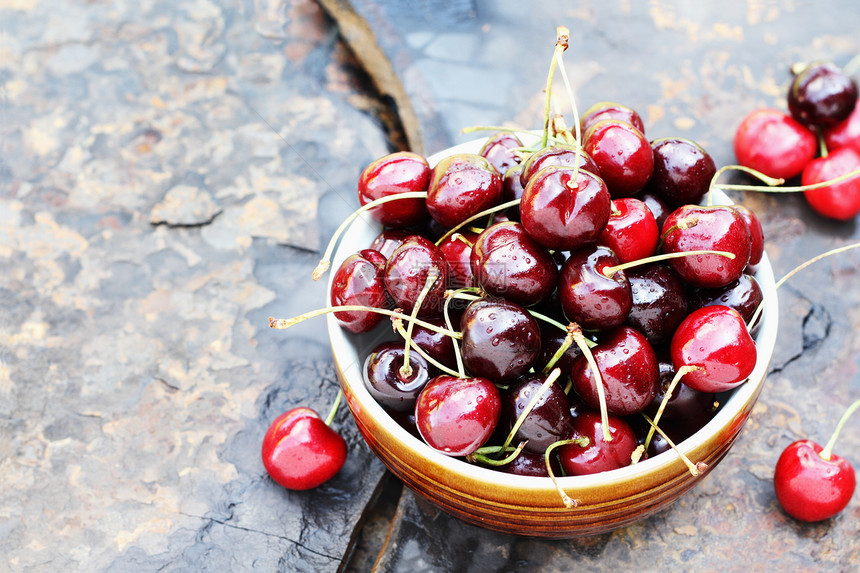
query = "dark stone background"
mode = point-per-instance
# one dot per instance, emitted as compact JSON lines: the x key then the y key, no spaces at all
{"x":168,"y":174}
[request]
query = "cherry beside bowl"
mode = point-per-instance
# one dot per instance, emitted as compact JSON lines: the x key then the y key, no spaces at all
{"x":531,"y":506}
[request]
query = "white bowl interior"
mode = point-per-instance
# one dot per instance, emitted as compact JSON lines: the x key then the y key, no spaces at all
{"x":352,"y":349}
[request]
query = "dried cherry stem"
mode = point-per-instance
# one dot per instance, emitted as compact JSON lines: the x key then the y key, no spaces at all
{"x":284,"y":323}
{"x":398,"y":326}
{"x":580,"y":340}
{"x":482,"y":454}
{"x":325,"y":262}
{"x":611,"y":270}
{"x":757,"y":314}
{"x":682,"y":371}
{"x":562,"y":38}
{"x":553,"y":376}
{"x":565,"y":344}
{"x":695,"y":469}
{"x":582,"y":442}
{"x":475,"y":217}
{"x":827,"y":452}
{"x":331,"y":414}
{"x":432,"y":275}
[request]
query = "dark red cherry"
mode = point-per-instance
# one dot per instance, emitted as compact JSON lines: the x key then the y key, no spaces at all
{"x":699,"y":228}
{"x":840,"y":201}
{"x":398,"y":172}
{"x":588,"y":296}
{"x":457,"y":250}
{"x":772,"y":142}
{"x":599,"y":455}
{"x":462,"y":185}
{"x":611,"y":110}
{"x":531,"y":464}
{"x":821,"y":95}
{"x":844,"y":134}
{"x":562,"y":213}
{"x":548,"y":421}
{"x":744,"y":295}
{"x":715,"y":339}
{"x":659,"y":301}
{"x":658,"y":206}
{"x":685,"y":404}
{"x":388,"y":382}
{"x":406,"y":420}
{"x":388,"y":240}
{"x":682,"y":171}
{"x":499,"y":150}
{"x":456,"y":416}
{"x":560,"y":155}
{"x":631,"y":231}
{"x":622,"y":155}
{"x":507,"y":262}
{"x":438,"y":346}
{"x":374,"y":257}
{"x":628,"y":367}
{"x":756,"y":233}
{"x":359,"y":281}
{"x":406,"y":273}
{"x":551,"y":341}
{"x":501,"y":341}
{"x":512,"y":189}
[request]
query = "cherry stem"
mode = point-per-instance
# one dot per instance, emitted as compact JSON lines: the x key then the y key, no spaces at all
{"x":330,"y":418}
{"x":766,"y":179}
{"x":827,"y":452}
{"x":565,"y":344}
{"x":325,"y":262}
{"x":580,"y":340}
{"x":682,"y":371}
{"x":609,"y":271}
{"x":284,"y":323}
{"x":822,"y":145}
{"x":398,"y":326}
{"x":582,"y":442}
{"x":432,"y":275}
{"x":513,"y":130}
{"x":572,"y":98}
{"x":797,"y":189}
{"x":481,"y":454}
{"x":458,"y":357}
{"x":695,"y":469}
{"x":562,"y":37}
{"x":475,"y":217}
{"x":462,"y":239}
{"x":553,"y":376}
{"x":796,"y":270}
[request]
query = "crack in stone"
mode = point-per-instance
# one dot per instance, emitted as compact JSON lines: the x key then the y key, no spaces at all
{"x":810,"y":340}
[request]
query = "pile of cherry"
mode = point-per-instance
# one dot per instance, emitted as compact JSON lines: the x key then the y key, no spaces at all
{"x":533,"y":274}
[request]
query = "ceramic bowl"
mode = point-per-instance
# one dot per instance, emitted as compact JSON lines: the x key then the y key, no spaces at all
{"x":531,"y":506}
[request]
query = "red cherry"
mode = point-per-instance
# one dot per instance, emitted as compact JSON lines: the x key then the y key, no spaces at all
{"x":715,"y":339}
{"x":682,"y":171}
{"x":300,"y":451}
{"x":588,"y":296}
{"x":756,"y":233}
{"x":771,"y":141}
{"x":457,"y":250}
{"x":456,"y":416}
{"x":499,"y":151}
{"x":610,"y":110}
{"x":599,"y":455}
{"x":846,"y":133}
{"x":359,"y":281}
{"x":560,"y":155}
{"x":395,"y":173}
{"x":622,"y":154}
{"x":462,"y":185}
{"x":841,"y":200}
{"x":631,"y":231}
{"x":406,"y":273}
{"x":809,"y":487}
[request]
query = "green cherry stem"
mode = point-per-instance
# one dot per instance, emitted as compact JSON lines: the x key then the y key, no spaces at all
{"x":284,"y":323}
{"x":611,"y":270}
{"x":796,"y":189}
{"x":565,"y":344}
{"x":827,"y":452}
{"x":682,"y":371}
{"x":325,"y":262}
{"x":432,"y":275}
{"x":580,"y":340}
{"x":766,"y":179}
{"x":582,"y":442}
{"x":695,"y":469}
{"x":475,"y":217}
{"x":398,"y":326}
{"x":458,"y":357}
{"x":483,"y":454}
{"x":331,"y":414}
{"x":553,"y":376}
{"x":562,"y":37}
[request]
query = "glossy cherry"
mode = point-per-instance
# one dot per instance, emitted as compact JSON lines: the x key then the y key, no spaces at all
{"x":563,"y":208}
{"x":549,"y":419}
{"x":531,"y":464}
{"x":359,"y":281}
{"x":398,"y":172}
{"x":756,"y":233}
{"x":462,"y":185}
{"x":772,"y":142}
{"x":844,"y":134}
{"x":300,"y":451}
{"x":551,"y":341}
{"x":659,"y":301}
{"x":628,"y":368}
{"x":622,"y":155}
{"x":743,"y":295}
{"x":611,"y":110}
{"x":588,"y":296}
{"x":631,"y":231}
{"x":457,"y":250}
{"x":700,"y":228}
{"x":499,"y":150}
{"x":501,"y":340}
{"x":389,"y":239}
{"x":840,"y":201}
{"x":821,"y":95}
{"x":715,"y":339}
{"x":599,"y":455}
{"x":560,"y":155}
{"x":456,"y":416}
{"x":685,"y":404}
{"x":512,"y":189}
{"x":682,"y":171}
{"x":507,"y":262}
{"x":406,"y":273}
{"x":658,"y":206}
{"x":389,"y":382}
